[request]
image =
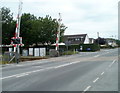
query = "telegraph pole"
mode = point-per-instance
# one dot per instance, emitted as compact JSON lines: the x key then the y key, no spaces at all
{"x":58,"y":32}
{"x":98,"y":38}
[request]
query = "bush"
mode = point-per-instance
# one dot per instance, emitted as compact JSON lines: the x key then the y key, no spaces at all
{"x":90,"y":47}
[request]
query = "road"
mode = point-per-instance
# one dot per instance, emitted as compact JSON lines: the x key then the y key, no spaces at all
{"x":87,"y":71}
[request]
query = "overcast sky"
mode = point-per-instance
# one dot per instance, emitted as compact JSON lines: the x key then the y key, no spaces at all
{"x":80,"y":16}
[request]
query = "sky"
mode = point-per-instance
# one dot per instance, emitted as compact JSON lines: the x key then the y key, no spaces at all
{"x":80,"y":16}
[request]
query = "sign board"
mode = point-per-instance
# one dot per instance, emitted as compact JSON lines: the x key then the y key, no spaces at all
{"x":16,"y":41}
{"x":25,"y":53}
{"x":36,"y":52}
{"x":30,"y":51}
{"x":42,"y":52}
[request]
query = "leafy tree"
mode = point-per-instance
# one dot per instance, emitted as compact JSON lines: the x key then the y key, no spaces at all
{"x":6,"y":15}
{"x":26,"y":31}
{"x":118,"y":42}
{"x":48,"y":30}
{"x":33,"y":30}
{"x":45,"y":30}
{"x":8,"y":25}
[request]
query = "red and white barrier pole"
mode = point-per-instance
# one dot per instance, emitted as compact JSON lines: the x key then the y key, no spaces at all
{"x":17,"y":31}
{"x":58,"y":32}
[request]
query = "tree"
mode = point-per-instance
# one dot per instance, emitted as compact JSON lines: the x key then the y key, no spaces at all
{"x":8,"y":25}
{"x":26,"y":31}
{"x":118,"y":42}
{"x":45,"y":30}
{"x":33,"y":30}
{"x":6,"y":15}
{"x":101,"y":41}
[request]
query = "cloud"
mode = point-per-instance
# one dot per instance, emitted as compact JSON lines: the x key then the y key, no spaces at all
{"x":80,"y":16}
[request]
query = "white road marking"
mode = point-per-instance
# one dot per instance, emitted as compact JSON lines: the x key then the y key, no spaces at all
{"x":34,"y":71}
{"x":8,"y":77}
{"x":26,"y":73}
{"x":66,"y":64}
{"x":61,"y":65}
{"x":102,"y":73}
{"x":19,"y":65}
{"x":97,"y":56}
{"x":38,"y":66}
{"x":8,"y":64}
{"x":96,"y":80}
{"x":21,"y":75}
{"x":112,"y":63}
{"x":86,"y":89}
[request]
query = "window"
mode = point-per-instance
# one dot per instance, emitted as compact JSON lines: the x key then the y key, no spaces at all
{"x":77,"y":39}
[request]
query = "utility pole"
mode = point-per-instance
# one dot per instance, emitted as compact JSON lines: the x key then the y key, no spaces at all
{"x":58,"y":32}
{"x":98,"y":38}
{"x":16,"y":41}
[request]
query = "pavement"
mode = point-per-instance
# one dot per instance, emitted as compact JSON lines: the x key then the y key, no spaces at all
{"x":86,"y":71}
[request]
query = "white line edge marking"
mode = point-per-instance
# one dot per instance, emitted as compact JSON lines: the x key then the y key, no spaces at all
{"x":19,"y":65}
{"x":97,"y":56}
{"x":21,"y":75}
{"x":96,"y":80}
{"x":102,"y":73}
{"x":87,"y":88}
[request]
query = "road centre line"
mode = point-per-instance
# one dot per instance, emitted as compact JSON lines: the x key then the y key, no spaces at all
{"x":66,"y":64}
{"x":96,"y":80}
{"x":102,"y":73}
{"x":26,"y":73}
{"x":112,"y":63}
{"x":86,"y":89}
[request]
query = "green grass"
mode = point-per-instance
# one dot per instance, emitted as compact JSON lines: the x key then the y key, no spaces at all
{"x":6,"y":62}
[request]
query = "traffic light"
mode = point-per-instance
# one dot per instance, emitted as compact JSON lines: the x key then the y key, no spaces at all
{"x":15,"y":40}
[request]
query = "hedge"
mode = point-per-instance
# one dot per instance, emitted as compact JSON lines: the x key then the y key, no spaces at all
{"x":85,"y":47}
{"x":90,"y":47}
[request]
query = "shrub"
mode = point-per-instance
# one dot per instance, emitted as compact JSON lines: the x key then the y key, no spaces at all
{"x":90,"y":47}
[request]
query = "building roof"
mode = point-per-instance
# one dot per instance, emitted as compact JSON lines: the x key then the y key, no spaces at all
{"x":75,"y":39}
{"x":77,"y":35}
